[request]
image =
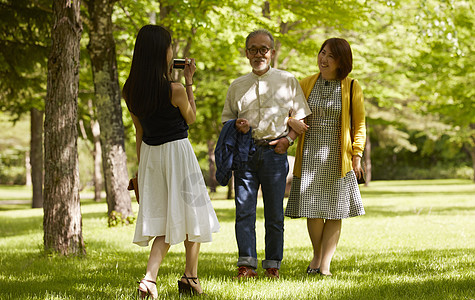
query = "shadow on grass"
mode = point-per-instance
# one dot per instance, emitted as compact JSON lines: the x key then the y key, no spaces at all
{"x":99,"y":275}
{"x":92,"y":277}
{"x":420,"y":263}
{"x":14,"y":205}
{"x":429,"y":274}
{"x":430,"y":289}
{"x":24,"y":225}
{"x":17,"y":226}
{"x":424,"y":274}
{"x":20,"y":225}
{"x":109,"y":273}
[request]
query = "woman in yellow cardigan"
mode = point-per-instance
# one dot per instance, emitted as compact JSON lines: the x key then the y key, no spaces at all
{"x":324,"y":187}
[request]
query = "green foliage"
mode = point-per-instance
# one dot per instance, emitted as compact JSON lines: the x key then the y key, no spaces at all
{"x":86,"y":165}
{"x":414,"y":60}
{"x":117,"y":219}
{"x":445,"y":71}
{"x":422,"y":157}
{"x":415,"y":242}
{"x":24,"y":49}
{"x":12,"y":166}
{"x":13,"y":150}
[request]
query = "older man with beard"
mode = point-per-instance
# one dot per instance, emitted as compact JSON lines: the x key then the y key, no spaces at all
{"x":263,"y":101}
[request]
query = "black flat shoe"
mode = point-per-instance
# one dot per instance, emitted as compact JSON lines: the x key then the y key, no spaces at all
{"x":311,"y":271}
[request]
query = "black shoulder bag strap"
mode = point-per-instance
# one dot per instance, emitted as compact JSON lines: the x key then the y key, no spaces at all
{"x":351,"y":111}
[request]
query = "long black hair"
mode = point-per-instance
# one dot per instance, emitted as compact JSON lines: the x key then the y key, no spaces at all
{"x":148,"y":85}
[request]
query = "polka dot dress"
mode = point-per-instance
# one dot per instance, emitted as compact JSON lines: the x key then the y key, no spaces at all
{"x":321,"y":192}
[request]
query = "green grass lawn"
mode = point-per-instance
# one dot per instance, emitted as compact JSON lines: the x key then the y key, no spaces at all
{"x":416,"y":241}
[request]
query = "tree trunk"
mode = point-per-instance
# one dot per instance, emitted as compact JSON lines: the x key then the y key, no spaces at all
{"x":367,"y":157}
{"x":36,"y":157}
{"x":109,"y":111}
{"x":62,"y":222}
{"x":212,"y":169}
{"x":97,"y":153}
{"x":27,"y":169}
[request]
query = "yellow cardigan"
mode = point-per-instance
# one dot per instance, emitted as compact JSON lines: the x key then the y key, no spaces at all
{"x":347,"y":150}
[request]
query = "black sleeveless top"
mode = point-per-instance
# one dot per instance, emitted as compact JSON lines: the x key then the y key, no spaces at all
{"x":164,"y":125}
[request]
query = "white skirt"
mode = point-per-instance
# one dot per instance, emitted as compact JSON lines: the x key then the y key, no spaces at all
{"x":174,"y":201}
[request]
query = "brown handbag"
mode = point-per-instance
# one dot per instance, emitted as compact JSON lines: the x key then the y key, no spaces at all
{"x":134,"y":185}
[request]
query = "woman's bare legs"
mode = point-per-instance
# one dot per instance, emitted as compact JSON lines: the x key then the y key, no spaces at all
{"x":192,"y":251}
{"x":157,"y":253}
{"x":330,"y":237}
{"x":315,"y":230}
{"x":324,"y":236}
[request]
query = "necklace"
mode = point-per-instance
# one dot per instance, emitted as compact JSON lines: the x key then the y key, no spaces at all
{"x":325,"y":91}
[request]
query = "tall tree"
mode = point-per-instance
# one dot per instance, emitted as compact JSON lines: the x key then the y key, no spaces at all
{"x":62,"y":222}
{"x":36,"y":150}
{"x":95,"y":150}
{"x":101,"y":49}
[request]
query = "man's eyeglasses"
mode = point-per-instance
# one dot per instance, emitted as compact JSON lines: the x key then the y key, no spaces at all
{"x":253,"y":51}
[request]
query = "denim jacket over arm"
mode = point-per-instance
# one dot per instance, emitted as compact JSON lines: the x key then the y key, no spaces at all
{"x":232,"y":150}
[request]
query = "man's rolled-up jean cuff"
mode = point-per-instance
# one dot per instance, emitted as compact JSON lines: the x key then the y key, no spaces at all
{"x":266,"y":264}
{"x":247,"y":261}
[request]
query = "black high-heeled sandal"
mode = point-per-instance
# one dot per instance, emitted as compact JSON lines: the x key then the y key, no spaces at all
{"x":186,"y":287}
{"x":141,"y":294}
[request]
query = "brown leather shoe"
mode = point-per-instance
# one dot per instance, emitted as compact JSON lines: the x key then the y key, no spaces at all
{"x":272,"y":273}
{"x":246,"y":272}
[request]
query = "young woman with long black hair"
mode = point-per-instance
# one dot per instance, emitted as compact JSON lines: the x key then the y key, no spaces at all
{"x":174,"y":202}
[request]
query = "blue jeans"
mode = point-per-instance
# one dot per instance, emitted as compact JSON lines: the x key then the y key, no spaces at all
{"x":269,"y":170}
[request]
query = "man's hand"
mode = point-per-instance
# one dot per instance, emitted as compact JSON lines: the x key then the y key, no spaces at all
{"x":242,"y":125}
{"x":281,"y":145}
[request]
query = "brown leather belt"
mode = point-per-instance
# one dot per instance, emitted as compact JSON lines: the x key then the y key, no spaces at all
{"x":262,"y":142}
